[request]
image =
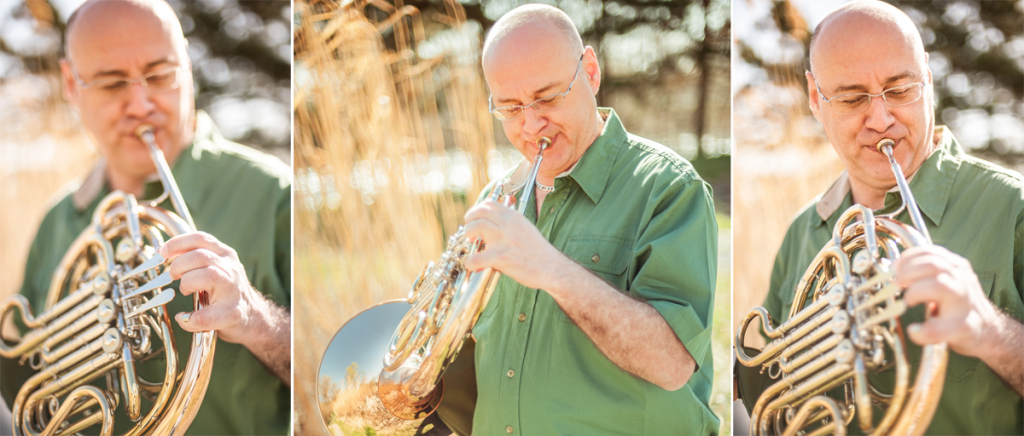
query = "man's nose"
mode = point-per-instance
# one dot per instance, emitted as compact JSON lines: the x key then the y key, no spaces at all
{"x":533,"y":121}
{"x":879,"y":115}
{"x":140,"y":102}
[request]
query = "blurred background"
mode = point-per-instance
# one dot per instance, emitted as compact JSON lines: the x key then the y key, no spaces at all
{"x":241,"y":58}
{"x":393,"y":142}
{"x":783,"y":160}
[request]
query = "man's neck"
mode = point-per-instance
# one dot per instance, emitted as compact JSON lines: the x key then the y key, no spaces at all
{"x":127,"y":183}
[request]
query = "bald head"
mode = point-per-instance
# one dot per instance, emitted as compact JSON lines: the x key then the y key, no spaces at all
{"x":94,"y":18}
{"x":863,"y":23}
{"x":533,"y":26}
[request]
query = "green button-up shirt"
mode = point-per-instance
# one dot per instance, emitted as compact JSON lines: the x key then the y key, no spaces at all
{"x":243,"y":198}
{"x":974,"y":209}
{"x":638,"y":216}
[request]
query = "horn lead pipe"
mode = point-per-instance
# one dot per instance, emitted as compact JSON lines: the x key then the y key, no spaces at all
{"x":885,"y":146}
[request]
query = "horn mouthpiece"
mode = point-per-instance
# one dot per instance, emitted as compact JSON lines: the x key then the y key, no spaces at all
{"x":885,"y":142}
{"x":143,"y":130}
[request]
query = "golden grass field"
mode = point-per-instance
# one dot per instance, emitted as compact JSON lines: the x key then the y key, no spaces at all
{"x":42,"y":149}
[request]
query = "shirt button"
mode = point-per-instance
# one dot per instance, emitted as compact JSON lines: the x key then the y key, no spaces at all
{"x":595,"y":258}
{"x":508,"y":429}
{"x":522,"y":317}
{"x":511,"y":373}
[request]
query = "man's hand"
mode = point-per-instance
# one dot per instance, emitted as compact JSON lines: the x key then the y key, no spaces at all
{"x":514,"y":246}
{"x":628,"y":331}
{"x":238,"y":312}
{"x":960,"y":313}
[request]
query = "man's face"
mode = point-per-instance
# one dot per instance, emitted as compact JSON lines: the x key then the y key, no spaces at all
{"x":519,"y":76}
{"x":128,"y":43}
{"x":872,"y":61}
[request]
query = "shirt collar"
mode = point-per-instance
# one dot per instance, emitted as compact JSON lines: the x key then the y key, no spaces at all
{"x":591,"y":172}
{"x":595,"y":167}
{"x":931,"y":184}
{"x":96,"y":184}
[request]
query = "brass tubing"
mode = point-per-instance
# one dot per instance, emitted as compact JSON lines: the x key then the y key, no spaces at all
{"x":67,"y":325}
{"x":817,"y":350}
{"x":823,"y":381}
{"x":74,"y":376}
{"x":145,"y":133}
{"x":78,"y":342}
{"x":814,"y":312}
{"x":902,"y":384}
{"x":803,"y":339}
{"x":104,"y":260}
{"x":802,"y":288}
{"x":94,"y":396}
{"x":885,"y":146}
{"x":829,"y":407}
{"x":76,"y":320}
{"x":23,"y":418}
{"x":130,"y":384}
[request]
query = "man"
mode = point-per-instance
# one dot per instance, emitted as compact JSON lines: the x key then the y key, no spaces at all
{"x":601,"y":323}
{"x":870,"y":80}
{"x":126,"y":64}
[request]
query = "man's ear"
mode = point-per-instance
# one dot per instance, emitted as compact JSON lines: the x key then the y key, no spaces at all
{"x":71,"y":90}
{"x":812,"y":95}
{"x":591,"y":68}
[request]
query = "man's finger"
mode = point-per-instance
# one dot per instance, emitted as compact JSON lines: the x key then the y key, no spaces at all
{"x":488,"y":210}
{"x":481,"y":260}
{"x":921,"y":266}
{"x":208,"y":318}
{"x":483,"y":229}
{"x":207,"y":279}
{"x":933,"y":331}
{"x":192,"y":260}
{"x":928,"y":290}
{"x":182,"y":244}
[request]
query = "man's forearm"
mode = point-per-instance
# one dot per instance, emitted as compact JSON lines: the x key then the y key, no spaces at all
{"x":629,"y":332}
{"x":1006,"y":351}
{"x":272,"y":342}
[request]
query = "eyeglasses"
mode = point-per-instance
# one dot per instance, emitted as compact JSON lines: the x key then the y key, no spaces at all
{"x":857,"y":103}
{"x":543,"y":105}
{"x":161,"y":80}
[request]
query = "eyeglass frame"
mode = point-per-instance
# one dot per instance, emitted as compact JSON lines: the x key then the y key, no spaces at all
{"x":141,"y":80}
{"x":492,"y":109}
{"x":870,"y":96}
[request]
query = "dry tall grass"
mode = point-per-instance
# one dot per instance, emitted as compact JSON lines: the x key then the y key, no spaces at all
{"x":371,"y":118}
{"x":781,"y":161}
{"x":42,"y":148}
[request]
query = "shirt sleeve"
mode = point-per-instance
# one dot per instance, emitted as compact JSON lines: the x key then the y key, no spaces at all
{"x":676,"y":259}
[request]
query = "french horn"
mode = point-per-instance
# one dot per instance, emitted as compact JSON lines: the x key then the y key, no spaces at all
{"x":106,"y":313}
{"x":843,"y":326}
{"x":430,"y":327}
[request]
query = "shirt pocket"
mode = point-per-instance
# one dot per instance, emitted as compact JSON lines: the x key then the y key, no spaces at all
{"x":605,"y":256}
{"x":961,"y":368}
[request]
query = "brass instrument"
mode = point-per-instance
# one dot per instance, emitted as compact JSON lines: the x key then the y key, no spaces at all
{"x":850,"y":327}
{"x":105,"y":313}
{"x":446,"y":301}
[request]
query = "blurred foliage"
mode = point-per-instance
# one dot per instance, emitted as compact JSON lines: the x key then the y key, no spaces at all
{"x":240,"y":51}
{"x":976,"y":54}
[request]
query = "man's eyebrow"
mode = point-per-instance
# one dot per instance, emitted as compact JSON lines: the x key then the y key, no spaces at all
{"x":861,"y":88}
{"x":540,"y":93}
{"x":122,"y":73}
